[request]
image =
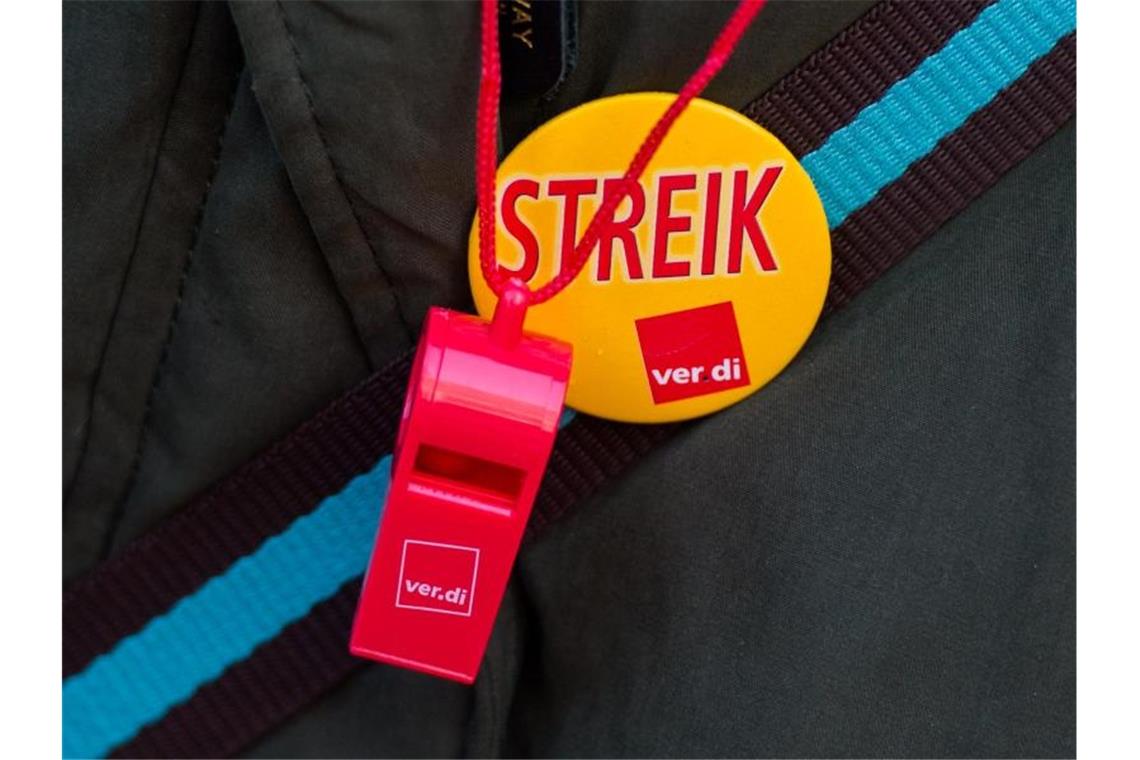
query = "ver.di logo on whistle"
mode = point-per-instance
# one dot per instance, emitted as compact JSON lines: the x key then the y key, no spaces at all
{"x":437,"y":577}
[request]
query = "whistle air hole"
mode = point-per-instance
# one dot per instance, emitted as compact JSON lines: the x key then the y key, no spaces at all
{"x":468,"y":475}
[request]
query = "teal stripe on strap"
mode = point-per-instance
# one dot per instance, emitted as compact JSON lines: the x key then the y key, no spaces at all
{"x":231,"y":615}
{"x":223,"y":622}
{"x":886,"y":137}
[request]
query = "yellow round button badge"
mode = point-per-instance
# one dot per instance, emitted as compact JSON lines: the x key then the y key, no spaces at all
{"x":705,"y":284}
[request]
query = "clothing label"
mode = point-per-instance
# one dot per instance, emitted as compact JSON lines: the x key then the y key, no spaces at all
{"x":705,"y":284}
{"x":538,"y":45}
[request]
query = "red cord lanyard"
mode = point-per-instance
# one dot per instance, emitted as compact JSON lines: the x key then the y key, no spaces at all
{"x":486,"y":147}
{"x":482,"y":411}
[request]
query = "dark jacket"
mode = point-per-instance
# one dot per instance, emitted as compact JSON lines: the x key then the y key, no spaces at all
{"x":872,"y":556}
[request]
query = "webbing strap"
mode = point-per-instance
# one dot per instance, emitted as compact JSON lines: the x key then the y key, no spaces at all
{"x":177,"y":601}
{"x":232,"y":519}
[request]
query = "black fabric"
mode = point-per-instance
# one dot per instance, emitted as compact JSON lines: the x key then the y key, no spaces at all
{"x":116,"y":98}
{"x":146,"y":93}
{"x":252,"y":301}
{"x":874,"y":556}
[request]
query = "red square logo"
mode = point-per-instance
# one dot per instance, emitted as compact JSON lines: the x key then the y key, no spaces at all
{"x":692,"y":353}
{"x":437,"y":577}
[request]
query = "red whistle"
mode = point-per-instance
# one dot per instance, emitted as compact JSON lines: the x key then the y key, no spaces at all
{"x":479,"y":422}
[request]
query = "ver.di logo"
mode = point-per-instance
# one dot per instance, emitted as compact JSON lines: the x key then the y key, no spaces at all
{"x":437,"y":577}
{"x":692,"y":352}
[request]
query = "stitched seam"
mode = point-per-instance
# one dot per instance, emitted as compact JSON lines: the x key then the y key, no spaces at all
{"x":195,"y":237}
{"x":310,"y":103}
{"x":97,"y":378}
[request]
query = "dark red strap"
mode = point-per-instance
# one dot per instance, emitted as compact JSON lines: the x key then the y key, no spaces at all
{"x":965,"y":164}
{"x":824,"y":92}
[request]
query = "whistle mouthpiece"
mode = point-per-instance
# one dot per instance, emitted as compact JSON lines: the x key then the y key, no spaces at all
{"x":510,"y":313}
